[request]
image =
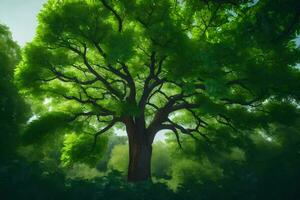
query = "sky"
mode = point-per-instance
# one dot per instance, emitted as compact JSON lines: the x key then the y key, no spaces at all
{"x":20,"y":17}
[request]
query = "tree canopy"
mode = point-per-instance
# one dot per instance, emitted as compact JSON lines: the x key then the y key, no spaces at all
{"x":212,"y":70}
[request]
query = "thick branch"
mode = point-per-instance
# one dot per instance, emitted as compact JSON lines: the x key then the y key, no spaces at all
{"x":131,"y":83}
{"x":117,"y":16}
{"x":89,"y":114}
{"x":62,"y":77}
{"x":189,"y":131}
{"x":183,"y":130}
{"x":109,"y":126}
{"x":86,"y":101}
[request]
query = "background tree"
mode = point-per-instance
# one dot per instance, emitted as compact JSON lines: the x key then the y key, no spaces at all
{"x":12,"y":108}
{"x":206,"y":69}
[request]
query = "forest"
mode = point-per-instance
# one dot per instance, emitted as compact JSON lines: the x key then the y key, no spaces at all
{"x":151,"y":100}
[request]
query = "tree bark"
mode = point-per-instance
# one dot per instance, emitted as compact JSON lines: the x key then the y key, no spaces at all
{"x":139,"y":168}
{"x":140,"y":152}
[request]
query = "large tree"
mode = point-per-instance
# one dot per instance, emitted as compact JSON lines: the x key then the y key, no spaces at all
{"x":208,"y":69}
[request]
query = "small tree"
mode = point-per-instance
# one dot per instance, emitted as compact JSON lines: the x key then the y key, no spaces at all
{"x":206,"y":69}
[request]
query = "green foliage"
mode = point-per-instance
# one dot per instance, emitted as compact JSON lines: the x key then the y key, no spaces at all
{"x":81,"y":148}
{"x":283,"y":113}
{"x":72,"y":19}
{"x":32,"y":69}
{"x":161,"y":161}
{"x":119,"y":46}
{"x":13,"y":111}
{"x":187,"y":171}
{"x":50,"y":122}
{"x":119,"y":158}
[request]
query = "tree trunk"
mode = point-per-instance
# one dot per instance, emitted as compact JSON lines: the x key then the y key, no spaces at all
{"x":139,"y":168}
{"x":140,"y":151}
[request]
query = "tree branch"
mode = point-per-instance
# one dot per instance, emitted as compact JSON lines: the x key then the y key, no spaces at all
{"x":109,"y":126}
{"x":83,"y":55}
{"x":117,"y":16}
{"x":174,"y":130}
